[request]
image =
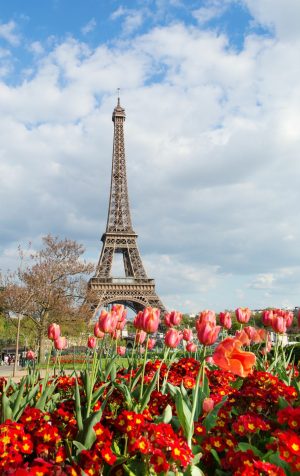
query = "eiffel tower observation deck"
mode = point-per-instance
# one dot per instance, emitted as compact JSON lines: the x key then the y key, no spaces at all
{"x":135,"y":290}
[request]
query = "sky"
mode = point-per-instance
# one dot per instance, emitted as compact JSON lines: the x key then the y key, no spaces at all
{"x":212,"y":97}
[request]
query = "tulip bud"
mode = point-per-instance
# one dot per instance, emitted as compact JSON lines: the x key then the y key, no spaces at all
{"x":206,"y":316}
{"x":191,"y":347}
{"x":208,"y":333}
{"x":225,"y":319}
{"x":208,"y":405}
{"x":279,"y":324}
{"x":30,"y":355}
{"x":267,"y":317}
{"x":187,"y":334}
{"x":140,"y":337}
{"x":149,"y":320}
{"x":97,"y":333}
{"x":121,"y":350}
{"x":60,"y":343}
{"x":173,"y":338}
{"x":53,"y":331}
{"x":243,"y":314}
{"x":173,"y":318}
{"x":151,"y":344}
{"x":108,"y":322}
{"x":92,"y":342}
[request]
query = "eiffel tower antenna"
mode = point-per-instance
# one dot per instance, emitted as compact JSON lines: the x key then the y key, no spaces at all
{"x":136,"y":290}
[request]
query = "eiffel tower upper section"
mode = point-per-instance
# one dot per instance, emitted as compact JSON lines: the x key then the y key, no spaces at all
{"x":119,"y":219}
{"x":135,"y":290}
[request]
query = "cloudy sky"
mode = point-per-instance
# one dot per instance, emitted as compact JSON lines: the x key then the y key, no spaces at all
{"x":212,"y":97}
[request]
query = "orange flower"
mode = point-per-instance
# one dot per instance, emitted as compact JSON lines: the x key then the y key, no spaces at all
{"x":229,"y":356}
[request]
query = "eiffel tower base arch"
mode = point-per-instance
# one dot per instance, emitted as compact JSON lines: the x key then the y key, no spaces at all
{"x":133,"y":293}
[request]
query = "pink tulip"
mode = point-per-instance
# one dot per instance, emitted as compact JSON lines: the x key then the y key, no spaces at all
{"x":208,"y":404}
{"x":121,"y":350}
{"x":187,"y":334}
{"x":92,"y":342}
{"x":252,"y":333}
{"x":267,"y":317}
{"x":30,"y":355}
{"x":289,"y":317}
{"x":279,"y":324}
{"x":149,"y":319}
{"x":225,"y":319}
{"x":243,"y":337}
{"x":243,"y":314}
{"x":60,"y":343}
{"x":97,"y":333}
{"x":191,"y":347}
{"x":140,"y":337}
{"x":53,"y":331}
{"x":137,"y":322}
{"x":173,"y":338}
{"x":119,"y":311}
{"x":209,"y":360}
{"x":173,"y":318}
{"x":207,"y":333}
{"x":108,"y":322}
{"x":151,"y":344}
{"x":206,"y":316}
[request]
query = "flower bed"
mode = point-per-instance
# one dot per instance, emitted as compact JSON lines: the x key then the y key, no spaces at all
{"x":221,"y":412}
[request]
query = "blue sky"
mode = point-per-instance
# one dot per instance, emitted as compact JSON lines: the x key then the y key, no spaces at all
{"x":212,"y":97}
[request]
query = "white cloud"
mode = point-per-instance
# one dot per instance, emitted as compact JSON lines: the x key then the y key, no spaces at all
{"x":280,"y":16}
{"x":36,"y":47}
{"x":90,"y":26}
{"x":8,"y":33}
{"x":206,"y":13}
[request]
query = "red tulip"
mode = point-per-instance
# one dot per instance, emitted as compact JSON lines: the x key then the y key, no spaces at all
{"x":187,"y":334}
{"x":150,"y":319}
{"x":30,"y":355}
{"x":121,"y":350}
{"x":191,"y":347}
{"x":289,"y":317}
{"x":243,"y":337}
{"x":267,"y":317}
{"x":53,"y":331}
{"x":151,"y":344}
{"x":119,"y":311}
{"x":206,"y":316}
{"x":173,"y":318}
{"x":229,"y":356}
{"x":207,"y":333}
{"x":173,"y":338}
{"x":208,"y":404}
{"x":225,"y":319}
{"x":252,"y":333}
{"x":92,"y":342}
{"x":108,"y":322}
{"x":140,"y":337}
{"x":243,"y":314}
{"x":60,"y":343}
{"x":97,"y":333}
{"x":279,"y":324}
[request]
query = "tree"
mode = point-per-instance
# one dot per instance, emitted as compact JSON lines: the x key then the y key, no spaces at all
{"x":51,"y":287}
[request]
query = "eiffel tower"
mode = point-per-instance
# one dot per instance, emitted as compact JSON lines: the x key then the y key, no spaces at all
{"x":135,"y":290}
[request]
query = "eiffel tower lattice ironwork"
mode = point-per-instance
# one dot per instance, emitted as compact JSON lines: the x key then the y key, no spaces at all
{"x":135,"y":290}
